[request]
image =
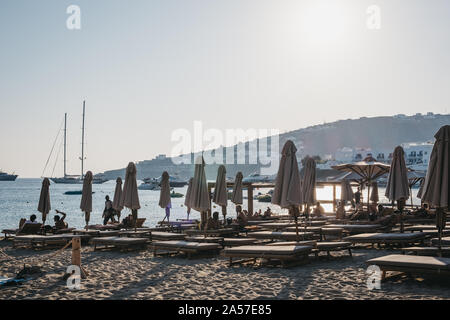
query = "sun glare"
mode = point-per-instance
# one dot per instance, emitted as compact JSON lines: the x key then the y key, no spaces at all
{"x":324,"y":23}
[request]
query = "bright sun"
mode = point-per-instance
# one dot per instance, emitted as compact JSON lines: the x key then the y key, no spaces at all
{"x":324,"y":23}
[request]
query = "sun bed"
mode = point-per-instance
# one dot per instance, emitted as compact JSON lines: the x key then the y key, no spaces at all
{"x":135,"y":234}
{"x":276,"y":225}
{"x":102,"y":227}
{"x":422,"y":227}
{"x":41,"y":241}
{"x":204,"y":239}
{"x":387,"y":238}
{"x":97,"y":233}
{"x":321,"y":231}
{"x":287,"y":236}
{"x":236,"y":242}
{"x":213,"y":232}
{"x":187,"y":247}
{"x":411,"y":264}
{"x":28,"y":228}
{"x":357,"y":228}
{"x":319,"y":246}
{"x":284,"y":254}
{"x":157,"y":235}
{"x":445,"y":241}
{"x":122,"y":243}
{"x":427,"y":251}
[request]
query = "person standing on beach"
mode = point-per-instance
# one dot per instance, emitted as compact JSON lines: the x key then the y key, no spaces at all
{"x":108,"y":212}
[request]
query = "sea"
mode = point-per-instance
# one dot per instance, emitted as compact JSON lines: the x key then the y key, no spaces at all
{"x":19,"y":199}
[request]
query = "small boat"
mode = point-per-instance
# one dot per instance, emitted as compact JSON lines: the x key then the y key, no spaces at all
{"x":7,"y":177}
{"x":264,"y":198}
{"x":74,"y":193}
{"x":174,"y":194}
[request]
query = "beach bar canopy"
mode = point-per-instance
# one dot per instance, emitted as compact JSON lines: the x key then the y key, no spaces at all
{"x":368,"y":170}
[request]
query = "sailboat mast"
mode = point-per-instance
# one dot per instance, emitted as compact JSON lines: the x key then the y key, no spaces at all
{"x":65,"y":143}
{"x":82,"y":143}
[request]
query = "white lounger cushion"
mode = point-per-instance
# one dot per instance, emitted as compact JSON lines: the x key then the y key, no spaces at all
{"x":408,"y":261}
{"x":269,"y":250}
{"x":187,"y":245}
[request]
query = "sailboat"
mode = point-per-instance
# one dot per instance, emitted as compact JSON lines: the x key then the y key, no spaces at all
{"x":76,"y":179}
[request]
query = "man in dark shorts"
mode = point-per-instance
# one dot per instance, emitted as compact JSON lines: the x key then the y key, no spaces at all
{"x":108,"y":212}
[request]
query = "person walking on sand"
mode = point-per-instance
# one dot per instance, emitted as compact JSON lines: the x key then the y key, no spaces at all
{"x":108,"y":212}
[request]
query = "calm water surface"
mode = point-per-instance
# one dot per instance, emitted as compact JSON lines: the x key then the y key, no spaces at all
{"x":19,"y":199}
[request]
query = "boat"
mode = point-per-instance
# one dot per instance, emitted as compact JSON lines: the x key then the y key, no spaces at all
{"x":153,"y":183}
{"x":264,"y":198}
{"x":74,"y":193}
{"x":174,"y":194}
{"x":258,"y":178}
{"x":150,"y":184}
{"x":76,"y":179}
{"x":7,"y":177}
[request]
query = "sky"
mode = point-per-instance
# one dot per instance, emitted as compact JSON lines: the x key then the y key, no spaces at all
{"x":149,"y":67}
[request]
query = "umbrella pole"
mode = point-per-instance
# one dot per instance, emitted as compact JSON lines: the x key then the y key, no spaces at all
{"x":224,"y":213}
{"x":368,"y":196}
{"x":410,"y":194}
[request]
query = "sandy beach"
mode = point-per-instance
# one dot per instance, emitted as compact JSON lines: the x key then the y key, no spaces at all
{"x":139,"y":275}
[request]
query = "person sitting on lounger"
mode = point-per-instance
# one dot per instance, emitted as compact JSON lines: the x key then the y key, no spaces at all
{"x":383,"y":212}
{"x":340,"y":212}
{"x":127,"y":222}
{"x":23,"y":222}
{"x":422,"y":211}
{"x":318,"y":211}
{"x":267,"y":213}
{"x":242,"y":219}
{"x":59,"y":221}
{"x":213,"y":222}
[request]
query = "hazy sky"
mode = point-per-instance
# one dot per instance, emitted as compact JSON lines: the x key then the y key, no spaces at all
{"x":148,"y":67}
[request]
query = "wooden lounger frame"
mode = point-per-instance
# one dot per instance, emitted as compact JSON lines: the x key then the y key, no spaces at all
{"x":171,"y":250}
{"x":286,"y":260}
{"x":104,"y":244}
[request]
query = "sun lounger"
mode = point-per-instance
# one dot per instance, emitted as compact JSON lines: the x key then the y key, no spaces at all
{"x":236,"y":242}
{"x":186,"y":247}
{"x":411,"y":264}
{"x":156,"y":235}
{"x":104,"y":227}
{"x":284,"y":254}
{"x":445,"y":241}
{"x":97,"y":233}
{"x":203,"y":239}
{"x":136,"y":234}
{"x":319,"y":246}
{"x":427,"y":251}
{"x":121,"y":243}
{"x":215,"y":233}
{"x":421,"y":227}
{"x":387,"y":238}
{"x":357,"y":228}
{"x":276,"y":225}
{"x":323,"y":232}
{"x":28,"y":228}
{"x":286,"y":236}
{"x":41,"y":241}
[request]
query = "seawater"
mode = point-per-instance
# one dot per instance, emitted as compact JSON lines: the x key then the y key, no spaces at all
{"x":19,"y":199}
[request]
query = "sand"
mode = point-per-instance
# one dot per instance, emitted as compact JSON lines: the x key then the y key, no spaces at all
{"x":139,"y":275}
